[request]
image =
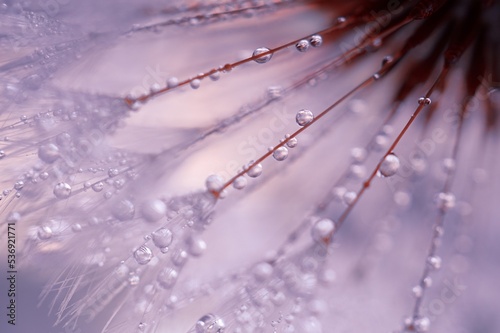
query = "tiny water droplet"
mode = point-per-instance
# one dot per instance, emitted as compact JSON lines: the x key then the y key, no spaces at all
{"x":210,"y":323}
{"x":424,"y":101}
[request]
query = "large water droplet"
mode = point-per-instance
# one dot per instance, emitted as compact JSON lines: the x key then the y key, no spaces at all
{"x":302,"y":45}
{"x":210,"y":323}
{"x":143,"y":255}
{"x":214,"y":183}
{"x":322,"y":230}
{"x":389,"y":166}
{"x":124,"y":210}
{"x":62,"y":190}
{"x":280,"y":154}
{"x":48,"y":153}
{"x":167,"y":277}
{"x":256,"y":171}
{"x":304,"y":117}
{"x":153,"y":210}
{"x":162,"y":237}
{"x":263,"y":59}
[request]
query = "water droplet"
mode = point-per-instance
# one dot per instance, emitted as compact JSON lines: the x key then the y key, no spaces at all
{"x":214,"y":183}
{"x":304,"y":117}
{"x":48,"y":153}
{"x":350,"y":197}
{"x":62,"y":191}
{"x":358,"y":154}
{"x":76,"y":227}
{"x":263,"y":271}
{"x":141,"y":327}
{"x":302,"y":45}
{"x":274,"y":92}
{"x":427,"y":281}
{"x":195,"y":84}
{"x":376,"y":76}
{"x":424,"y":101}
{"x":256,"y":171}
{"x":172,"y":82}
{"x":210,"y":323}
{"x":134,"y":279}
{"x":421,"y":324}
{"x":215,"y":76}
{"x":2,"y":154}
{"x":196,"y":245}
{"x":240,"y":183}
{"x":162,"y":237}
{"x":417,"y":291}
{"x":322,"y":230}
{"x":390,"y":165}
{"x":316,"y":40}
{"x":153,"y":210}
{"x":44,"y":232}
{"x":167,"y":277}
{"x":98,"y":187}
{"x":179,"y":257}
{"x":292,"y":143}
{"x":19,"y":185}
{"x":445,"y":201}
{"x":262,"y":59}
{"x":449,"y":165}
{"x":434,"y":262}
{"x":124,"y":210}
{"x":280,"y":154}
{"x":113,"y":172}
{"x":143,"y":255}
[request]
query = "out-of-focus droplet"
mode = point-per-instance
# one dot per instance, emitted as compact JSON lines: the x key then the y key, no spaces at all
{"x":302,"y":45}
{"x":153,"y":210}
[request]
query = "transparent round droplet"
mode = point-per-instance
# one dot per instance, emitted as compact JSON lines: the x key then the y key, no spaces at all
{"x":449,"y":165}
{"x":358,"y":154}
{"x":162,"y":237}
{"x":143,"y":255}
{"x":262,"y":59}
{"x":302,"y":45}
{"x":167,"y":277}
{"x":210,"y":323}
{"x":98,"y":187}
{"x":172,"y":82}
{"x":19,"y":185}
{"x":195,"y":84}
{"x":322,"y":230}
{"x":179,"y":257}
{"x":113,"y":172}
{"x":263,"y":271}
{"x":256,"y":171}
{"x":44,"y":232}
{"x":196,"y":245}
{"x":214,"y":183}
{"x":427,"y":281}
{"x":153,"y":210}
{"x":280,"y":154}
{"x":62,"y":190}
{"x":124,"y":210}
{"x":292,"y":143}
{"x":304,"y":117}
{"x":316,"y":40}
{"x":48,"y":153}
{"x":390,"y":165}
{"x":240,"y":183}
{"x":350,"y":197}
{"x":2,"y":154}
